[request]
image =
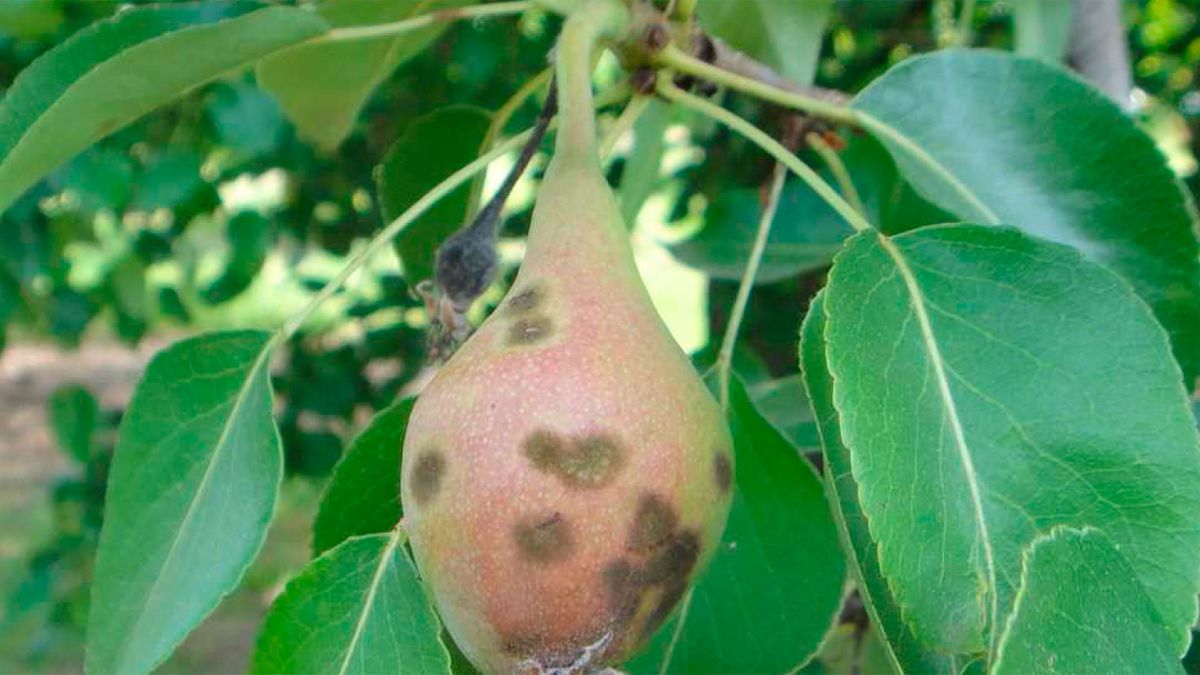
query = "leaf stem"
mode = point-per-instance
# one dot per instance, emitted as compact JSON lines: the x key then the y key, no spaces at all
{"x":381,"y":240}
{"x":624,"y":122}
{"x":674,"y":58}
{"x":840,"y":173}
{"x":371,"y":32}
{"x":742,"y":300}
{"x":768,"y":145}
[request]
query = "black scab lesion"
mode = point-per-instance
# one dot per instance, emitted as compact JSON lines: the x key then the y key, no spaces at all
{"x":670,"y":596}
{"x":676,"y":560}
{"x":653,"y":524}
{"x":426,"y":475}
{"x":527,"y":325}
{"x":586,"y":462}
{"x":528,"y":330}
{"x":544,"y":539}
{"x":525,"y":300}
{"x":723,"y":471}
{"x":659,"y":571}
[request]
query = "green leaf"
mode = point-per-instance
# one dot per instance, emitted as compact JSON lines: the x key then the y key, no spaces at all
{"x":363,"y":496}
{"x":639,"y":178}
{"x":172,"y":178}
{"x":30,"y":19}
{"x":999,"y":167}
{"x":805,"y":235}
{"x":250,"y":238}
{"x":98,"y":179}
{"x":73,"y":414}
{"x":431,"y":148}
{"x":117,"y":70}
{"x":322,"y":87}
{"x":784,"y":35}
{"x":359,"y":608}
{"x":765,"y":602}
{"x":1043,"y":28}
{"x":784,"y":403}
{"x":192,"y":489}
{"x":900,"y":646}
{"x":1080,"y":609}
{"x":245,"y":118}
{"x":1008,"y":386}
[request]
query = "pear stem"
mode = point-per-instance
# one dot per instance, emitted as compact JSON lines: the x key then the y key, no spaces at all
{"x":770,"y":146}
{"x":589,"y":23}
{"x":382,"y":30}
{"x":740,"y":302}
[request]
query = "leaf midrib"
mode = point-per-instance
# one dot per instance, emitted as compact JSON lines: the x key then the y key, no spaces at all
{"x":369,"y":601}
{"x":929,"y":340}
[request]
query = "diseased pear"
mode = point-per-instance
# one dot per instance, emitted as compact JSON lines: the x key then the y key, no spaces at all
{"x":566,"y":474}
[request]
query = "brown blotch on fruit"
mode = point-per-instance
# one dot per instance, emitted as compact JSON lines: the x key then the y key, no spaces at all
{"x":587,"y":462}
{"x":426,"y":475}
{"x":544,"y":539}
{"x":593,"y":461}
{"x":723,"y":471}
{"x":529,"y":329}
{"x":525,"y":300}
{"x":653,"y":524}
{"x":622,"y":582}
{"x":545,"y":449}
{"x":675,"y":561}
{"x":522,"y":645}
{"x":662,"y":609}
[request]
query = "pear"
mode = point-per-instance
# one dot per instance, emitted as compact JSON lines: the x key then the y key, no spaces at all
{"x":566,"y":474}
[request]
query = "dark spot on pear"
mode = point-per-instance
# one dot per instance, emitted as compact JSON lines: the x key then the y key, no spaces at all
{"x":588,"y":462}
{"x":521,"y":645}
{"x":529,"y":329}
{"x":426,"y":475}
{"x":544,"y":539}
{"x":593,"y":460}
{"x":623,"y":585}
{"x":723,"y":471}
{"x":528,"y":299}
{"x":653,"y":524}
{"x":675,"y":561}
{"x":545,"y":449}
{"x":662,"y":609}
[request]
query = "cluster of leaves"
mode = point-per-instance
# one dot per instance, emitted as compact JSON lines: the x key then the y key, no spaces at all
{"x":988,"y":449}
{"x":44,"y":614}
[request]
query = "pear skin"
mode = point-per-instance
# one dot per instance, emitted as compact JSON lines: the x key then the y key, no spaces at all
{"x":566,"y":474}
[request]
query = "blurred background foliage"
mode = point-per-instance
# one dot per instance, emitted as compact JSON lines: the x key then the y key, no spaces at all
{"x":216,"y":212}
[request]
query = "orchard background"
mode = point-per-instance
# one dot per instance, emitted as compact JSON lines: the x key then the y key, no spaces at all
{"x":226,"y":209}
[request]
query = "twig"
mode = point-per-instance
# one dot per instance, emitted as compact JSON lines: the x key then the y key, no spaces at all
{"x":732,"y":60}
{"x":814,"y":104}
